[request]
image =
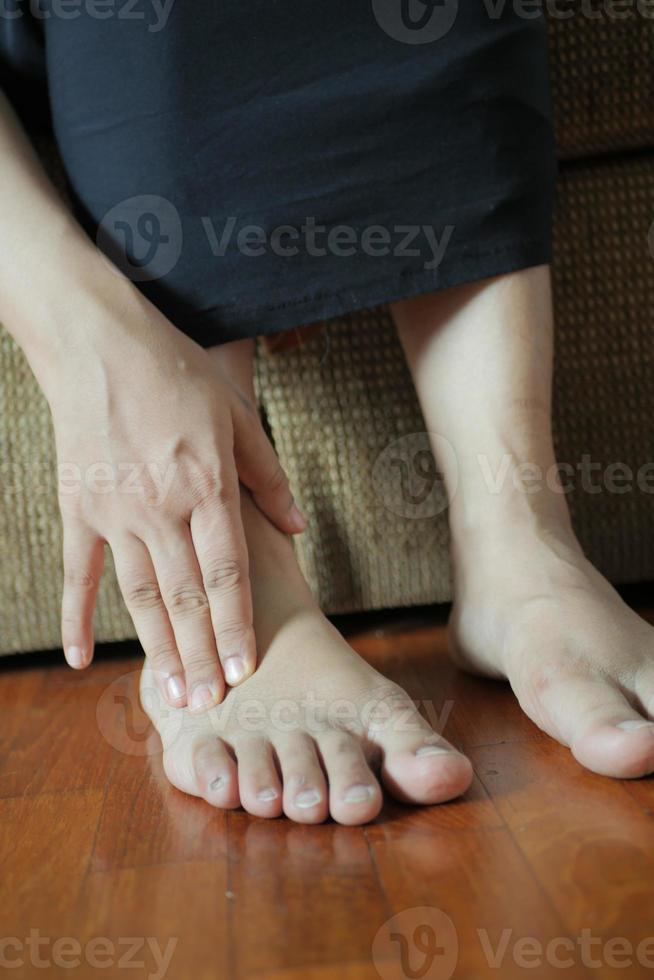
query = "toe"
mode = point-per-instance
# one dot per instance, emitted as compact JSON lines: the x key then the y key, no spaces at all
{"x":418,"y":766}
{"x":200,"y":764}
{"x":259,"y":786}
{"x":354,"y":794}
{"x":305,"y":791}
{"x":195,"y":760}
{"x":604,"y":731}
{"x":586,"y":710}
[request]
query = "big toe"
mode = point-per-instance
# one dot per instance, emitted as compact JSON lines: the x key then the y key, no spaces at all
{"x":622,"y":746}
{"x":589,"y":712}
{"x":418,"y":766}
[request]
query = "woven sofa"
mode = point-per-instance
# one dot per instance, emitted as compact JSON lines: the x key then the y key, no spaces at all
{"x":341,"y":409}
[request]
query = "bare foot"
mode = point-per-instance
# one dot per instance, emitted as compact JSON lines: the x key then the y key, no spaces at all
{"x":307,"y":732}
{"x":531,"y":608}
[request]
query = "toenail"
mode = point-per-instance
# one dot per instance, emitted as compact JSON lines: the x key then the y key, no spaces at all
{"x":234,"y":670}
{"x":175,"y":688}
{"x":201,"y":697}
{"x":217,"y":783}
{"x":266,"y":795}
{"x":75,"y":657}
{"x":359,"y":794}
{"x":634,"y":723}
{"x":309,"y":798}
{"x":432,"y":750}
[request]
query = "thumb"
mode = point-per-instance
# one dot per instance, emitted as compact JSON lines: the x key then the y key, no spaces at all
{"x":261,"y":472}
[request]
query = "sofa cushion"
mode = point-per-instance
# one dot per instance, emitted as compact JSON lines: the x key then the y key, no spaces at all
{"x":602,"y":71}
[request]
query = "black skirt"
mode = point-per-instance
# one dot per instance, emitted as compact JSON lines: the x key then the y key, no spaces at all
{"x":256,"y":166}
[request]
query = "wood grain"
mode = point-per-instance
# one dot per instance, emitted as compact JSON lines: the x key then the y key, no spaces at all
{"x":96,"y":848}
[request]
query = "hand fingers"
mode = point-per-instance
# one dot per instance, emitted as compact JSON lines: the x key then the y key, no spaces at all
{"x":219,"y":541}
{"x":83,"y":562}
{"x":142,"y":595}
{"x":260,"y":471}
{"x":183,"y":591}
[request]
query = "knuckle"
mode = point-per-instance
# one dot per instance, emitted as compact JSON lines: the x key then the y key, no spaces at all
{"x":232,"y":632}
{"x":184,"y":600}
{"x":224,"y":493}
{"x":223,"y":575}
{"x":78,"y":579}
{"x":205,"y":486}
{"x":161,"y":653}
{"x":341,"y":745}
{"x":71,"y":621}
{"x":200,"y":662}
{"x":275,"y":481}
{"x":143,"y":595}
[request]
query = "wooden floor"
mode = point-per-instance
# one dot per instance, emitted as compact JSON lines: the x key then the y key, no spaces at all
{"x":542,"y":870}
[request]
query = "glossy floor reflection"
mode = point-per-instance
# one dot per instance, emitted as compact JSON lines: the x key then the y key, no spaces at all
{"x":541,"y":870}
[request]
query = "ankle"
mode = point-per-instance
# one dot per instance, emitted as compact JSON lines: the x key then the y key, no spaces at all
{"x":488,"y":538}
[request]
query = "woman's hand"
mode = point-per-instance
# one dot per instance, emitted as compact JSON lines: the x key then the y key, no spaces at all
{"x":151,"y":442}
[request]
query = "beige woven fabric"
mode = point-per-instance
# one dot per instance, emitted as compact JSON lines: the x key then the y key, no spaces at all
{"x":602,"y":67}
{"x":340,"y":409}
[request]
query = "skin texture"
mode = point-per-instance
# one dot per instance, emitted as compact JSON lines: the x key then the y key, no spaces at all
{"x":316,"y":731}
{"x":528,"y":607}
{"x":152,"y":440}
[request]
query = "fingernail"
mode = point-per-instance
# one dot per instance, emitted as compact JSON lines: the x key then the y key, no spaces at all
{"x":359,"y":794}
{"x":75,"y":657}
{"x":234,"y":670}
{"x":202,"y":697}
{"x":297,"y":518}
{"x":307,"y":799}
{"x":432,"y":750}
{"x":634,"y":723}
{"x":266,"y":795}
{"x":175,"y":688}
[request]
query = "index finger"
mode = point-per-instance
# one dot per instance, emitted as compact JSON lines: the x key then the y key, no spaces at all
{"x":221,"y":549}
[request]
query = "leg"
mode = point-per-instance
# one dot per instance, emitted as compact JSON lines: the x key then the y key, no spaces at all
{"x":528,"y":605}
{"x":305,"y":732}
